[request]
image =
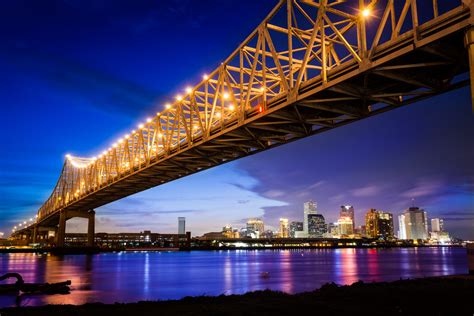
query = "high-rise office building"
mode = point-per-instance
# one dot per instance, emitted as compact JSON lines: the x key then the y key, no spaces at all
{"x":345,"y":225}
{"x":316,"y":226}
{"x":310,"y":208}
{"x":295,"y":227}
{"x":413,"y":224}
{"x":284,"y":228}
{"x":181,"y":225}
{"x":402,"y":233}
{"x":348,"y":211}
{"x":379,"y":224}
{"x":437,"y":225}
{"x":256,"y":224}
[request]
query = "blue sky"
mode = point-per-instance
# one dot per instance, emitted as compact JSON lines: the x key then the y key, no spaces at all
{"x":77,"y":74}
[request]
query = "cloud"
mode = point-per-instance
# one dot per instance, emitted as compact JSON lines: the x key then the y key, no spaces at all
{"x":423,"y":188}
{"x":370,"y":190}
{"x":243,"y":201}
{"x":337,"y":198}
{"x":101,"y":90}
{"x":316,"y":185}
{"x":274,"y":194}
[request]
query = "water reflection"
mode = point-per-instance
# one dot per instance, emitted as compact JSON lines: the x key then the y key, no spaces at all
{"x":125,"y":277}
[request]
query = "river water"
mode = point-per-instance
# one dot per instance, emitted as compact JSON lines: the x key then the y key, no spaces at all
{"x":134,"y":276}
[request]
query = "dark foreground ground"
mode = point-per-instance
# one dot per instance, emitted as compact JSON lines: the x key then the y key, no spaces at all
{"x":430,"y":296}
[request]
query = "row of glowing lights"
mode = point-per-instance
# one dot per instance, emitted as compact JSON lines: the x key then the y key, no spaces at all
{"x":30,"y":222}
{"x":365,"y":13}
{"x":140,"y":126}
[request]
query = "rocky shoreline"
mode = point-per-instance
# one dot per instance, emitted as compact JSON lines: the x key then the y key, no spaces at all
{"x":428,"y":296}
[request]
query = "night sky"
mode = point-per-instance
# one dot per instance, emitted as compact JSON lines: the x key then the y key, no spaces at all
{"x":76,"y":75}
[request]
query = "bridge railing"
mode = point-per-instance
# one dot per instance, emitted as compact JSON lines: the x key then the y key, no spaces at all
{"x":300,"y":42}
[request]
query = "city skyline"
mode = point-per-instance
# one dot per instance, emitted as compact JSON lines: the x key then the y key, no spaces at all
{"x":414,"y":152}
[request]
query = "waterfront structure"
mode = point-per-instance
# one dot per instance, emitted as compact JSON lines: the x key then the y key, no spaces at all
{"x":345,"y":226}
{"x":379,"y":224}
{"x":316,"y":226}
{"x":347,"y":211}
{"x":132,"y":240}
{"x":413,"y":224}
{"x":308,"y":93}
{"x":284,"y":233}
{"x":309,"y":208}
{"x":295,"y":227}
{"x":181,"y":225}
{"x":256,"y":225}
{"x":437,"y":225}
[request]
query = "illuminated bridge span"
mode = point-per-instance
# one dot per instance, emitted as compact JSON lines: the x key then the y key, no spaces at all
{"x":310,"y":66}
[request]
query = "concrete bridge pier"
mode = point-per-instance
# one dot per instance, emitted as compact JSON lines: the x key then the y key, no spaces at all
{"x":91,"y":228}
{"x":65,"y":215}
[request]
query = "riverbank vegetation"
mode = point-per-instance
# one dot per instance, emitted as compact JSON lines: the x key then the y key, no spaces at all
{"x":429,"y":296}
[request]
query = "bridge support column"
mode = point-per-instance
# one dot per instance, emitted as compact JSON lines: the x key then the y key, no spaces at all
{"x":91,"y":229}
{"x":469,"y":42}
{"x":35,"y":234}
{"x":61,"y":229}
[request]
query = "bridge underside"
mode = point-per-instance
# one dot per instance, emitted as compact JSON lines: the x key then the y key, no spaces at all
{"x":399,"y":76}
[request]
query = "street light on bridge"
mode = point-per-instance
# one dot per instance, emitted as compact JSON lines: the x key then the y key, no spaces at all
{"x":366,"y":12}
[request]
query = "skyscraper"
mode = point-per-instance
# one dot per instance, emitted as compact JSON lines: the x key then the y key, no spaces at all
{"x":181,"y":225}
{"x":316,"y":225}
{"x":402,"y":233}
{"x":414,"y":223}
{"x":256,"y":225}
{"x":310,"y":207}
{"x":437,"y":225}
{"x":379,"y":224}
{"x":284,"y":227}
{"x":295,"y":227}
{"x":348,"y":211}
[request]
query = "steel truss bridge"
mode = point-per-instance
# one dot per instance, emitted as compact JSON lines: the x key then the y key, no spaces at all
{"x":310,"y":66}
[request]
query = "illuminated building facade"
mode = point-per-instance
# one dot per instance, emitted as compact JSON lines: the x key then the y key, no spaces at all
{"x":228,"y":232}
{"x":379,"y":224}
{"x":284,"y":231}
{"x":295,"y":227}
{"x":348,"y":211}
{"x":316,"y":226}
{"x":310,"y":208}
{"x":437,"y":225}
{"x":345,"y":226}
{"x":413,"y":224}
{"x":256,"y":225}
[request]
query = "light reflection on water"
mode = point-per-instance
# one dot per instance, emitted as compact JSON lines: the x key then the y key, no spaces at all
{"x":134,"y":276}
